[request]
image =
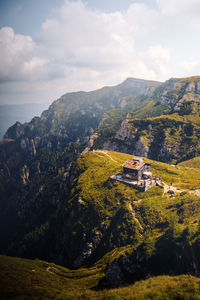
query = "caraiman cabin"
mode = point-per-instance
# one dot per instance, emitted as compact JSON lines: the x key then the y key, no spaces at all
{"x":136,"y":173}
{"x":136,"y":169}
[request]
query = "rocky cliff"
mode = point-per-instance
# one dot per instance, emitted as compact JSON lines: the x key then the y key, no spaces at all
{"x":171,"y":136}
{"x":178,"y":90}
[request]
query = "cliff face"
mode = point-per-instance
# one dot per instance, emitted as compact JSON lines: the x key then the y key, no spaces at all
{"x":168,"y":137}
{"x":176,"y":91}
{"x":76,"y":115}
{"x":161,"y":259}
{"x":163,"y":139}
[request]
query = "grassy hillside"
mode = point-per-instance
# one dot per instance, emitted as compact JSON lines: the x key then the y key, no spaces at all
{"x":192,"y":163}
{"x":88,"y":215}
{"x":35,"y":279}
{"x":96,"y":221}
{"x":95,"y":187}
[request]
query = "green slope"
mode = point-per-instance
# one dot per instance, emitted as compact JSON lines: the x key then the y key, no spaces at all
{"x":91,"y":215}
{"x":192,"y":163}
{"x":34,"y":279}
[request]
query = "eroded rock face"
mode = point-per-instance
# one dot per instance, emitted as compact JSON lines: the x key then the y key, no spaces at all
{"x":83,"y":256}
{"x":124,"y":141}
{"x":124,"y":132}
{"x":29,"y":145}
{"x":140,"y":148}
{"x":174,"y":92}
{"x":15,"y":131}
{"x":162,"y":139}
{"x":114,"y":277}
{"x":25,"y":174}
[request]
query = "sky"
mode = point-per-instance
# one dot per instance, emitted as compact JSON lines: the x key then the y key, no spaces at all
{"x":49,"y":48}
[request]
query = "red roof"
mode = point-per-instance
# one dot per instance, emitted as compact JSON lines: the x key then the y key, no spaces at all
{"x":133,"y":164}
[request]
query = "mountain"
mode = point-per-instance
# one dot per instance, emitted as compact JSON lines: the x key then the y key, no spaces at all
{"x":76,"y":115}
{"x":36,"y":156}
{"x":9,"y":114}
{"x":58,"y":202}
{"x":87,"y":215}
{"x":170,"y":135}
{"x":177,"y":91}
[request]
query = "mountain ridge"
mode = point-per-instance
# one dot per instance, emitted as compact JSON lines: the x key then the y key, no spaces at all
{"x":55,"y":182}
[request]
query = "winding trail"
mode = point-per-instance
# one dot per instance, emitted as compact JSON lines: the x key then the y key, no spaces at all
{"x":174,"y":189}
{"x":51,"y":272}
{"x":105,"y":152}
{"x":134,"y":217}
{"x":195,"y":192}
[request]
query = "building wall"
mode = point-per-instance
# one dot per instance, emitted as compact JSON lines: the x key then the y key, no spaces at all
{"x":129,"y":171}
{"x":133,"y":174}
{"x":147,"y":167}
{"x":136,"y":174}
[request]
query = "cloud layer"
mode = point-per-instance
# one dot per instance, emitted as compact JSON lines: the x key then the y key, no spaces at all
{"x":82,"y":48}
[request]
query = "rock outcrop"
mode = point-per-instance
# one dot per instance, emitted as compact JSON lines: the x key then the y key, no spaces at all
{"x":176,"y":91}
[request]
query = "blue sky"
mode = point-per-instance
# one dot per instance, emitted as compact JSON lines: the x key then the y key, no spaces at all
{"x":26,"y":16}
{"x":48,"y":48}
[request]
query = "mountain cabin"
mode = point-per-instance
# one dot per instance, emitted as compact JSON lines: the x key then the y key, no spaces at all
{"x":136,"y":169}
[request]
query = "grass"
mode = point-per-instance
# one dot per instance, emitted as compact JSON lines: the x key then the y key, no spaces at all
{"x":35,"y":279}
{"x":152,"y":207}
{"x":25,"y":279}
{"x":187,"y":79}
{"x":192,"y":163}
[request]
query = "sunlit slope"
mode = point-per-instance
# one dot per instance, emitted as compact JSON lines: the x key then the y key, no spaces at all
{"x":152,"y":208}
{"x":34,"y":279}
{"x":93,"y":215}
{"x":192,"y":163}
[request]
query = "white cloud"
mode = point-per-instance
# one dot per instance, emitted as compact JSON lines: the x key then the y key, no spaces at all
{"x":156,"y":59}
{"x":85,"y":49}
{"x":19,"y":58}
{"x":182,"y":11}
{"x":101,"y":42}
{"x":15,"y":50}
{"x":189,"y":7}
{"x":190,"y":67}
{"x":141,"y":18}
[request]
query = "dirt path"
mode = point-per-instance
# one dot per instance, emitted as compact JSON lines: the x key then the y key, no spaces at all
{"x":52,"y":268}
{"x":174,"y":189}
{"x":134,"y":217}
{"x":138,"y":201}
{"x":114,"y":252}
{"x":195,"y":192}
{"x":105,"y":152}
